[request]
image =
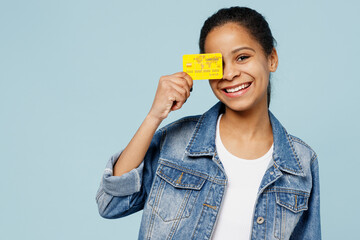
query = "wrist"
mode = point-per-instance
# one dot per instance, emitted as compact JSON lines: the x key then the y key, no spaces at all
{"x":153,"y":120}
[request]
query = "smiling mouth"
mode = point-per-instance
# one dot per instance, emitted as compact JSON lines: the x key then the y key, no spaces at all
{"x":238,"y":88}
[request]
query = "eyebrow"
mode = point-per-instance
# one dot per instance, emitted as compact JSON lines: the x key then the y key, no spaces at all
{"x":241,"y":48}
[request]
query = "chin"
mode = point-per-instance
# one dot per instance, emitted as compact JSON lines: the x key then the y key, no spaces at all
{"x":238,"y":108}
{"x":243,"y":106}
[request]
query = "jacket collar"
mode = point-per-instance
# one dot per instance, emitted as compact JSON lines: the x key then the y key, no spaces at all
{"x":202,"y":142}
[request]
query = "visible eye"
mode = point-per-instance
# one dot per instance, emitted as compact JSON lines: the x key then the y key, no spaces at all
{"x":242,"y":58}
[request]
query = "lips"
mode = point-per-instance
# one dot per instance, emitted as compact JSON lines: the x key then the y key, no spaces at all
{"x":237,"y":90}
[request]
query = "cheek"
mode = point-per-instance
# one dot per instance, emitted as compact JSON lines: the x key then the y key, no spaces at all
{"x":213,"y":84}
{"x":214,"y":87}
{"x":257,"y":70}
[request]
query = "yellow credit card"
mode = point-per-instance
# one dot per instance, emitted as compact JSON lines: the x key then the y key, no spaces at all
{"x":203,"y":66}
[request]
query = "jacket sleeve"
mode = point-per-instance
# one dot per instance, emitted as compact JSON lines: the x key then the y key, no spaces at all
{"x":309,"y":227}
{"x":119,"y":196}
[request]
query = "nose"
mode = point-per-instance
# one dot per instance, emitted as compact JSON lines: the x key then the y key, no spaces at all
{"x":230,"y":71}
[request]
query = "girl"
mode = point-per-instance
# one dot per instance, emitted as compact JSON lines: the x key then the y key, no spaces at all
{"x":233,"y":172}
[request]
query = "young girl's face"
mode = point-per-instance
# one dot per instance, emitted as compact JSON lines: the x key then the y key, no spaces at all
{"x":246,"y":67}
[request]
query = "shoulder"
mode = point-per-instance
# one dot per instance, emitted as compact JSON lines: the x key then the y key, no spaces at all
{"x":181,"y":125}
{"x":303,"y":150}
{"x":291,"y":149}
{"x":190,"y":123}
{"x":179,"y":132}
{"x":174,"y":137}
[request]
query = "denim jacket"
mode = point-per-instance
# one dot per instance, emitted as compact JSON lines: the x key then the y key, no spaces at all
{"x":181,"y":183}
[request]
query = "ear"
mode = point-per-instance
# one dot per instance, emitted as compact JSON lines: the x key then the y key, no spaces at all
{"x":273,"y":60}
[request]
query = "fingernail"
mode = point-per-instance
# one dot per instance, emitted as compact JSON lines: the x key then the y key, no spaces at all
{"x":191,"y":89}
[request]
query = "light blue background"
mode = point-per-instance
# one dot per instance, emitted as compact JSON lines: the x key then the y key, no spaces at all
{"x":78,"y":77}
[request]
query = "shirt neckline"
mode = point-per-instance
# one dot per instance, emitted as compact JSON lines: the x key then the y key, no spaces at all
{"x":256,"y":160}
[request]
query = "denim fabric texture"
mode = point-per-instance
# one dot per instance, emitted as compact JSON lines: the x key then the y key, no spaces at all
{"x":180,"y":185}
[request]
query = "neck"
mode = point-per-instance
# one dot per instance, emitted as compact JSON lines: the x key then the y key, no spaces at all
{"x":248,"y":125}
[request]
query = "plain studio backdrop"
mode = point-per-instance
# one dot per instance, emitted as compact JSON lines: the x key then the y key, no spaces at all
{"x":78,"y":77}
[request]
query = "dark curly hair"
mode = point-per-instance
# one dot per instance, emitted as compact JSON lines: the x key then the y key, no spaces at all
{"x":248,"y":18}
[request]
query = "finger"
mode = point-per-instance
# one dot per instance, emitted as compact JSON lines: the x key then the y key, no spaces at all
{"x":182,"y":89}
{"x":177,"y":100}
{"x":183,"y":83}
{"x":186,"y":76}
{"x":181,"y":79}
{"x":178,"y":74}
{"x":189,"y":80}
{"x":176,"y":106}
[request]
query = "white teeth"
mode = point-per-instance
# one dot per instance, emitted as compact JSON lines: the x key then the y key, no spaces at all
{"x":242,"y":86}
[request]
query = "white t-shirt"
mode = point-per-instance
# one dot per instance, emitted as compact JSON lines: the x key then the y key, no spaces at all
{"x":244,"y":178}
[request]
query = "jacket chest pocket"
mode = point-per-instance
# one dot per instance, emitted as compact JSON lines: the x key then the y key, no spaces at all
{"x":290,"y":204}
{"x":174,"y":192}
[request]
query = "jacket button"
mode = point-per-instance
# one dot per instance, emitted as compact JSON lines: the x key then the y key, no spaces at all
{"x":260,"y":220}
